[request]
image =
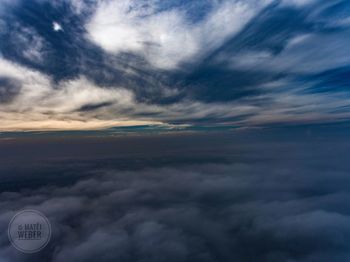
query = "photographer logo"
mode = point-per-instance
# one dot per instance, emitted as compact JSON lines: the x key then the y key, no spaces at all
{"x":29,"y":231}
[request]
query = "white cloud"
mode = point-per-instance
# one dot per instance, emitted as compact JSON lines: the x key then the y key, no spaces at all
{"x":166,"y":38}
{"x":246,"y":60}
{"x":303,"y":54}
{"x":30,"y":44}
{"x":299,"y":39}
{"x":42,"y":106}
{"x":291,"y":104}
{"x":79,"y":6}
{"x":313,"y":53}
{"x":297,"y":3}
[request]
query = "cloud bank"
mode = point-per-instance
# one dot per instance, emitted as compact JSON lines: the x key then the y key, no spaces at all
{"x":205,"y":212}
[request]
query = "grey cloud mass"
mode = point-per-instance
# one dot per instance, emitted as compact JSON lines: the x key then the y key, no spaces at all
{"x":261,"y":199}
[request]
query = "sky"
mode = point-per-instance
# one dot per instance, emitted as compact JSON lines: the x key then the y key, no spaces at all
{"x":177,"y":130}
{"x":87,"y":65}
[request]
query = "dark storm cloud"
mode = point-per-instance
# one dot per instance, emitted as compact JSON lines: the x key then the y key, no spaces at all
{"x":276,"y":199}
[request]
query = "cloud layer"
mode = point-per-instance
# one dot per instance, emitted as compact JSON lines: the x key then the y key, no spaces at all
{"x":290,"y":203}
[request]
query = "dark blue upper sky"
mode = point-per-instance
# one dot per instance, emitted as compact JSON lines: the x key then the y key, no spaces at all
{"x":85,"y":64}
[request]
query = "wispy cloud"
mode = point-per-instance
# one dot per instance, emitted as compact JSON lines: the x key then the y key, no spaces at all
{"x":129,"y":62}
{"x":166,"y":38}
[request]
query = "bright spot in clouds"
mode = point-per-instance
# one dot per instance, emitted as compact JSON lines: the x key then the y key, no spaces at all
{"x":57,"y":27}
